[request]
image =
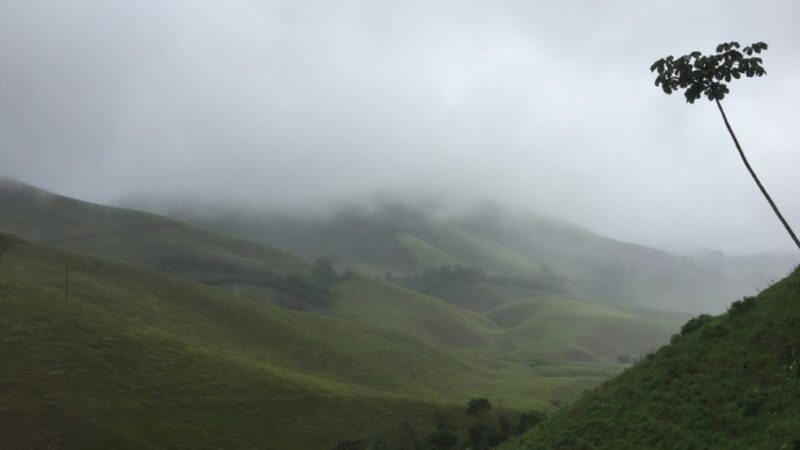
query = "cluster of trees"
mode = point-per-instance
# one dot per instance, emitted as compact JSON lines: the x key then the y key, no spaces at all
{"x":313,"y":289}
{"x":482,"y":431}
{"x":545,"y":280}
{"x":295,"y":291}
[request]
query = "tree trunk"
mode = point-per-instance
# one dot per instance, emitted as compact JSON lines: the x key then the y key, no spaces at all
{"x":755,"y":178}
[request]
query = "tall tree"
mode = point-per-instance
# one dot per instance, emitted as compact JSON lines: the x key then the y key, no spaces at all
{"x":709,"y":75}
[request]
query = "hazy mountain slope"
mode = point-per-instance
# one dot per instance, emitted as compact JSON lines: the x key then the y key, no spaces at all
{"x":610,"y":270}
{"x":133,"y":359}
{"x":147,"y":241}
{"x":162,"y":244}
{"x":731,"y":381}
{"x":540,"y":327}
{"x":404,"y":310}
{"x":405,"y":239}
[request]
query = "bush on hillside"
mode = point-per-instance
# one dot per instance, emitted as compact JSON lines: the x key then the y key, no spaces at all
{"x":478,"y":407}
{"x":527,"y":421}
{"x":695,"y":323}
{"x":443,"y":439}
{"x":740,"y":306}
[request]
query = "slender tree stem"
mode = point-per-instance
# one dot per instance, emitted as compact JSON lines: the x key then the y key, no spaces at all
{"x":755,"y":178}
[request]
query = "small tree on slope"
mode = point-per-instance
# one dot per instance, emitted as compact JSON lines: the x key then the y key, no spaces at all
{"x":708,"y":75}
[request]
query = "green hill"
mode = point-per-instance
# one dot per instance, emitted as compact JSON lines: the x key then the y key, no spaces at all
{"x":406,"y":240}
{"x":133,"y":237}
{"x":133,"y":359}
{"x":543,"y":327}
{"x":400,"y":309}
{"x":731,"y":381}
{"x":374,"y":358}
{"x":150,"y":241}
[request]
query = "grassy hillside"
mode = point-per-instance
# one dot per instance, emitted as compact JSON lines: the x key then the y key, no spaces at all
{"x":134,"y":359}
{"x":406,"y":240}
{"x":610,"y":270}
{"x":133,"y":237}
{"x":731,"y":381}
{"x":397,"y":308}
{"x":155,"y":243}
{"x":539,"y":326}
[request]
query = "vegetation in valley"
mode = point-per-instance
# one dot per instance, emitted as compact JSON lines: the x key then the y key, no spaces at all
{"x":136,"y":359}
{"x":399,"y":240}
{"x":730,"y":381}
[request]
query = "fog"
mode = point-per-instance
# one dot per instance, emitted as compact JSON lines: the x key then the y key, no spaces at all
{"x":545,"y":105}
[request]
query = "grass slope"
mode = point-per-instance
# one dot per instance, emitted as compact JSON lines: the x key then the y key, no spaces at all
{"x":133,"y":237}
{"x":731,"y":381}
{"x":424,"y":255}
{"x":539,"y":326}
{"x":397,"y":308}
{"x":134,"y":359}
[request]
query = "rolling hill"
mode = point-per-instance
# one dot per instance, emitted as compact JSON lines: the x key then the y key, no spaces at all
{"x":404,"y":240}
{"x":145,"y":350}
{"x":151,"y":242}
{"x":731,"y":381}
{"x":133,"y":359}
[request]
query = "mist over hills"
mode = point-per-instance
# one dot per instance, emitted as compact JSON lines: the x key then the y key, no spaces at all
{"x":406,"y":237}
{"x":164,"y":316}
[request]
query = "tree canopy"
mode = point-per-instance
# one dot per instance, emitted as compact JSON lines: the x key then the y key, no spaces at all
{"x":709,"y":74}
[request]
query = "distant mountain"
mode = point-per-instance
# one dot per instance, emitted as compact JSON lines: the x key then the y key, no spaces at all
{"x":731,"y":381}
{"x":145,"y":240}
{"x":402,"y":239}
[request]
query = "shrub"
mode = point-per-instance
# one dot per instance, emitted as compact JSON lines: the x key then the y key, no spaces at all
{"x":443,"y":439}
{"x":527,"y":421}
{"x":740,"y":306}
{"x":695,"y":323}
{"x":478,"y":407}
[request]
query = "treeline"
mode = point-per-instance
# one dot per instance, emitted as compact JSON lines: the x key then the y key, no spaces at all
{"x":544,"y":280}
{"x":482,"y":431}
{"x":294,"y":291}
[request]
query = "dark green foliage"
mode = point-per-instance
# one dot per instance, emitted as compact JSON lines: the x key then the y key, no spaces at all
{"x":708,"y":74}
{"x":323,"y":269}
{"x":442,"y":439}
{"x":695,"y":323}
{"x":527,"y":421}
{"x":479,"y":407}
{"x":504,"y":428}
{"x":727,"y":382}
{"x":378,"y":443}
{"x":483,"y":436}
{"x":6,"y":243}
{"x":546,"y":280}
{"x":740,"y":306}
{"x":352,"y":444}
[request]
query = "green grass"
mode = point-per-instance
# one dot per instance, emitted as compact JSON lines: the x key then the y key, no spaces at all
{"x":134,"y":359}
{"x":425,"y":255}
{"x":539,"y":326}
{"x":400,"y":309}
{"x":133,"y":237}
{"x":732,"y":382}
{"x":478,"y":251}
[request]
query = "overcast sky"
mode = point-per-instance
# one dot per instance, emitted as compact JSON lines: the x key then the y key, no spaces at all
{"x":548,"y":105}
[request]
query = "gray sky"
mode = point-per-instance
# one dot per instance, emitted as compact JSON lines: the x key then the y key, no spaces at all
{"x":549,"y":105}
